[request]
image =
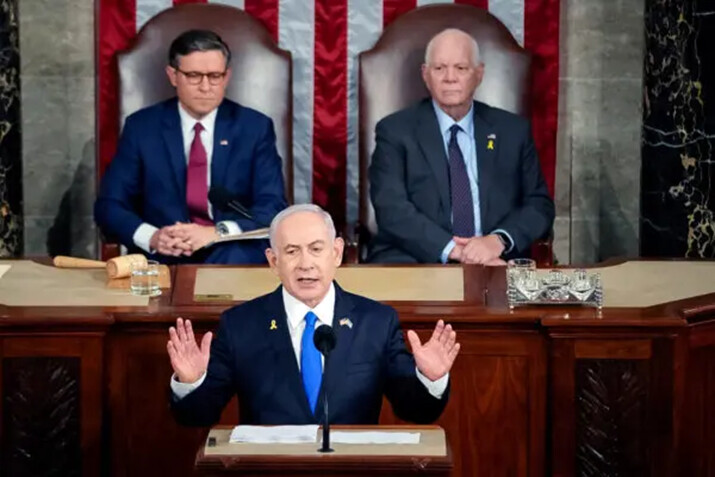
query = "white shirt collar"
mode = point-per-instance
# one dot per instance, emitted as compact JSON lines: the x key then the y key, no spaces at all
{"x":188,"y":121}
{"x":296,"y":309}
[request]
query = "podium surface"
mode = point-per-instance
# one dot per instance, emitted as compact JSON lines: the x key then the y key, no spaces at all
{"x":431,"y":456}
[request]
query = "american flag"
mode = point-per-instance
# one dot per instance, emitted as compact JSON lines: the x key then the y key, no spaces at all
{"x":325,"y":38}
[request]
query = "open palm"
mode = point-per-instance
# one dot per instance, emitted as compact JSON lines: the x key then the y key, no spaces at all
{"x":187,"y":358}
{"x":434,"y":359}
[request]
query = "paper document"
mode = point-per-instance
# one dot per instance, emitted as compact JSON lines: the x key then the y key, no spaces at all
{"x":3,"y":269}
{"x":275,"y":434}
{"x":250,"y":235}
{"x":374,"y":437}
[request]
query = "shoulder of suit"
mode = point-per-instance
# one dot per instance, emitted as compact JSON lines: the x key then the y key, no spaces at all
{"x":404,"y":117}
{"x":365,"y":305}
{"x":245,"y":112}
{"x":498,"y":116}
{"x":154,"y":112}
{"x":256,"y":307}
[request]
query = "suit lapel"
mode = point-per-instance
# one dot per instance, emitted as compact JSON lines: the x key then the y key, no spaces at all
{"x":335,"y":370}
{"x":432,"y":145}
{"x":487,"y":148}
{"x":225,"y":117}
{"x":285,"y":362}
{"x":171,"y":131}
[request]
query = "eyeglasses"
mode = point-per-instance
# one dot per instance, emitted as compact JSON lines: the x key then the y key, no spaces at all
{"x":195,"y":77}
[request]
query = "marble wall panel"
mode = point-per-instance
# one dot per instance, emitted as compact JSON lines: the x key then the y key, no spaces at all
{"x":10,"y":133}
{"x":678,"y":147}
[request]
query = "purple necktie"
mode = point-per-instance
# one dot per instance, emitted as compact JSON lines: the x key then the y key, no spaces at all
{"x":462,"y":204}
{"x":197,"y":189}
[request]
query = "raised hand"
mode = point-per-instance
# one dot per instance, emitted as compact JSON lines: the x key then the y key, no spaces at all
{"x":434,"y":359}
{"x":188,"y":360}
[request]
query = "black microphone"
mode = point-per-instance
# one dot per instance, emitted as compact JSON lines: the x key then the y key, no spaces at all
{"x":324,"y":340}
{"x":223,"y":200}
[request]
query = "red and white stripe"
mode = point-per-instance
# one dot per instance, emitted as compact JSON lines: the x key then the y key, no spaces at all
{"x":325,"y":38}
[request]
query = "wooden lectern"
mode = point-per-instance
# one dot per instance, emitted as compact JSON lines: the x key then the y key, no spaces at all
{"x":431,"y":456}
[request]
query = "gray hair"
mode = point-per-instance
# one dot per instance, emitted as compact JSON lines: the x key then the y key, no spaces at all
{"x":294,"y":209}
{"x":452,"y":31}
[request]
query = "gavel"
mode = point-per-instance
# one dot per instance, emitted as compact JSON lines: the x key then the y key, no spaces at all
{"x":118,"y":267}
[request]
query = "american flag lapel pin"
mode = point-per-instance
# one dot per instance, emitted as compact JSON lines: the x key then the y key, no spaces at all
{"x":224,"y":142}
{"x":346,"y":322}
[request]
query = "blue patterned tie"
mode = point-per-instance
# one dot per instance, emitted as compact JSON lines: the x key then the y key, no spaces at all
{"x":310,"y":365}
{"x":462,"y":204}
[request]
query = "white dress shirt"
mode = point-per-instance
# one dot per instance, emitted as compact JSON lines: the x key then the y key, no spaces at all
{"x":143,"y":234}
{"x":296,"y":311}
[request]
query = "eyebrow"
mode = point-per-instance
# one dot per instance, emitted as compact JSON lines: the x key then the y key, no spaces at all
{"x":315,"y":242}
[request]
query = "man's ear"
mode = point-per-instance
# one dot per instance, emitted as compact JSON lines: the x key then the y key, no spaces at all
{"x":480,"y":74}
{"x":272,"y":258}
{"x":338,"y":247}
{"x":424,"y":72}
{"x":171,"y":73}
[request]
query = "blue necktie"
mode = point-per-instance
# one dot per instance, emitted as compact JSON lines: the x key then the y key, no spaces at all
{"x":462,"y":204}
{"x":310,"y":365}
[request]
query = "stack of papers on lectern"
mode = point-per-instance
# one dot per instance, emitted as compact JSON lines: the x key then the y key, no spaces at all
{"x":374,"y":437}
{"x":274,"y":434}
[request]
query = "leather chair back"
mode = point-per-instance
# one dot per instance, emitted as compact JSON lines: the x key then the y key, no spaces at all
{"x":261,"y":72}
{"x":390,"y":77}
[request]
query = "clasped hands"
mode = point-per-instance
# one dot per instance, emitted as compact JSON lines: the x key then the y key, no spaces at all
{"x":190,"y":360}
{"x":182,"y":239}
{"x":484,"y":250}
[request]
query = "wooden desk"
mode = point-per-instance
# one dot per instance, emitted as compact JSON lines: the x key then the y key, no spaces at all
{"x":535,"y":391}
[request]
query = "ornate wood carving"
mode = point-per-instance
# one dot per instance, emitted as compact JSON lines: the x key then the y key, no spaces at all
{"x":611,"y":426}
{"x":41,"y":417}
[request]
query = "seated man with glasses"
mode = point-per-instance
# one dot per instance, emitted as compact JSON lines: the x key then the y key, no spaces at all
{"x":154,"y":196}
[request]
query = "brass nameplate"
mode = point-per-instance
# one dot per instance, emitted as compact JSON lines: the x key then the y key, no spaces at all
{"x":214,"y":297}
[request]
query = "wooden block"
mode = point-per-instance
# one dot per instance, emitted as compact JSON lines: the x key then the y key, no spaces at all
{"x":123,"y":283}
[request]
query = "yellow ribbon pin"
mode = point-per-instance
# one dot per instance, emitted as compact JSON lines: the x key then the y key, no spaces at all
{"x":490,"y":144}
{"x":273,"y":325}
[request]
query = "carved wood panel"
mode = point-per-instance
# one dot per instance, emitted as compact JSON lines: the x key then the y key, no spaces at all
{"x":41,"y":417}
{"x":611,"y":417}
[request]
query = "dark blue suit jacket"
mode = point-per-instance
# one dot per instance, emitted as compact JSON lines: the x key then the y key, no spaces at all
{"x":249,"y":359}
{"x":146,"y":180}
{"x":409,"y":184}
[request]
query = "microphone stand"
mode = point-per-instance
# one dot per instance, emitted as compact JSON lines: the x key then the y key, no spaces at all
{"x":325,"y":448}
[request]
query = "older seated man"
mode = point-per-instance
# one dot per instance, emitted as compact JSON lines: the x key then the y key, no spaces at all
{"x":264,"y":350}
{"x":453,"y":179}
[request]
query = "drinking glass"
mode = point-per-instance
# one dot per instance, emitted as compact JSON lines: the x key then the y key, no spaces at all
{"x":144,"y":279}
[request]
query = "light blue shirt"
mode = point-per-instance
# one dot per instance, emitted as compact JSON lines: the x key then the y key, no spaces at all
{"x":468,"y":146}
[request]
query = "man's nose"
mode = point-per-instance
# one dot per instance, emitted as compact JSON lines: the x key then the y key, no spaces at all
{"x":450,"y":75}
{"x":304,"y":262}
{"x":204,"y":84}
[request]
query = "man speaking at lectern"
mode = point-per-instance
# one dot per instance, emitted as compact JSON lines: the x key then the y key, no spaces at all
{"x":264,"y":350}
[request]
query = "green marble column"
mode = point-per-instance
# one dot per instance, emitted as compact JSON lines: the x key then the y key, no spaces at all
{"x":10,"y":134}
{"x":678,"y":148}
